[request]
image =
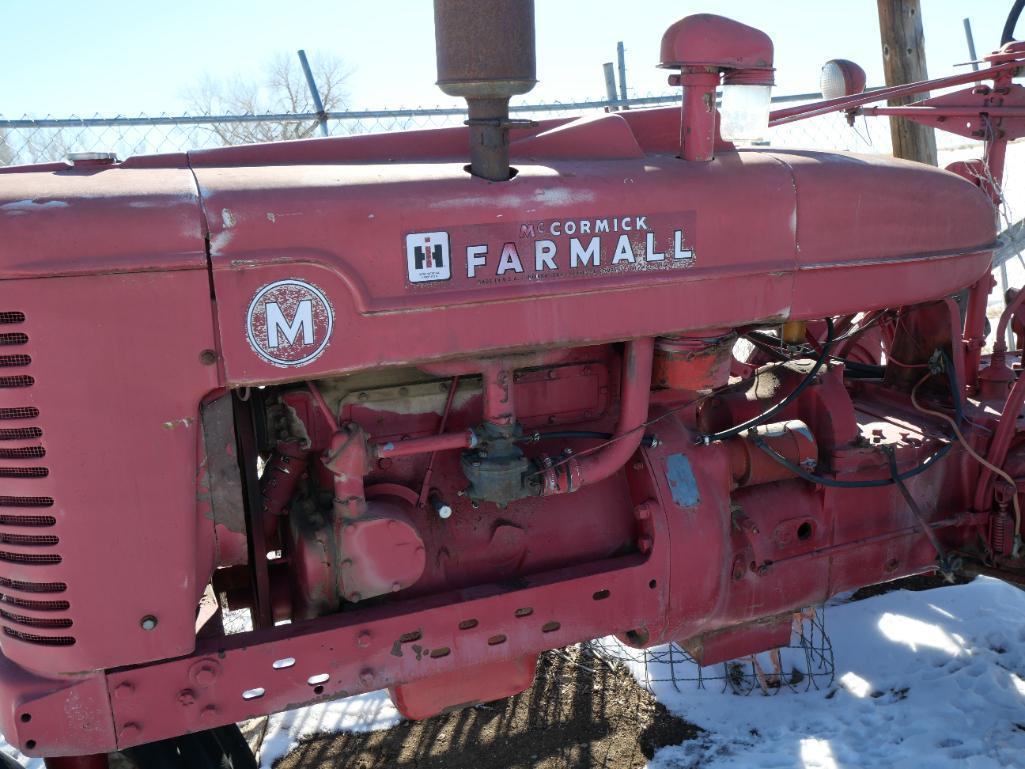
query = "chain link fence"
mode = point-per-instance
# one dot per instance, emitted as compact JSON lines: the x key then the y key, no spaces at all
{"x":31,"y":139}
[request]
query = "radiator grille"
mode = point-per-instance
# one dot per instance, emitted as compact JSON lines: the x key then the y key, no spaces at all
{"x":32,"y":587}
{"x":30,"y":559}
{"x":27,"y":520}
{"x":24,"y":472}
{"x":29,"y":540}
{"x":20,"y":433}
{"x":26,"y":605}
{"x":28,"y":452}
{"x":6,"y":501}
{"x":42,"y":640}
{"x":61,"y":623}
{"x":34,"y":605}
{"x":22,"y":380}
{"x":22,"y":412}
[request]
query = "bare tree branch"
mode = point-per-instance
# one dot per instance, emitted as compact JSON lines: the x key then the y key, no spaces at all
{"x":281,"y":89}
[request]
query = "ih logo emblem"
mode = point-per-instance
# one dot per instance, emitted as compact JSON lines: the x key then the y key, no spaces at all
{"x":289,"y":323}
{"x":428,"y":257}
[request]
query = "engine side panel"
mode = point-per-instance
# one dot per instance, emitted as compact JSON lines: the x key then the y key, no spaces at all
{"x":103,"y":482}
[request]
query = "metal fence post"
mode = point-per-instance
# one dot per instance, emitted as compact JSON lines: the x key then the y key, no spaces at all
{"x":610,"y":86}
{"x":312,"y":85}
{"x":971,"y":44}
{"x":621,"y":56}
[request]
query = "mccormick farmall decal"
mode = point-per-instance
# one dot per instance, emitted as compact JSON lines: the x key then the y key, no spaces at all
{"x":553,"y":249}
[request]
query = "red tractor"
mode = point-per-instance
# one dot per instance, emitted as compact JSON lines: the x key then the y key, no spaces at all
{"x":427,"y":419}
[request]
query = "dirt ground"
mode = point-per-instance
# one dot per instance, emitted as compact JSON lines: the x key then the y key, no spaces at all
{"x":579,"y":713}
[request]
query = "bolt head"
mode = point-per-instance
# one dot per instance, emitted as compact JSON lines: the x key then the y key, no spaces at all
{"x":366,"y":676}
{"x":204,"y":672}
{"x":208,"y":713}
{"x":644,"y":544}
{"x":186,"y":697}
{"x":123,"y":690}
{"x":129,"y":731}
{"x":363,"y":639}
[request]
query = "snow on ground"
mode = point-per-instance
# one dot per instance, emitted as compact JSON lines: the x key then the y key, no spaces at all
{"x":923,"y":679}
{"x":363,"y":713}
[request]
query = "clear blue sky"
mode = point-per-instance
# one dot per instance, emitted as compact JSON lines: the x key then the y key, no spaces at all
{"x":113,"y":57}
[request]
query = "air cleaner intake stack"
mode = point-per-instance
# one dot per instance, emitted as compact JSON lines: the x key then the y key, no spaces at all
{"x":486,"y":55}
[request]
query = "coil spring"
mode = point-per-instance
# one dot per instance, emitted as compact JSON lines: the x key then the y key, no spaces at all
{"x":998,"y":538}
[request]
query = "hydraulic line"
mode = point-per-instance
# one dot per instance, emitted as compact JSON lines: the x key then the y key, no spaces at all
{"x":773,"y":410}
{"x":1012,"y":21}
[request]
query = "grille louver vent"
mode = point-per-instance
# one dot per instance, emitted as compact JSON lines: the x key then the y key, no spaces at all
{"x":24,"y":412}
{"x":28,"y":539}
{"x":41,"y":640}
{"x":20,"y":433}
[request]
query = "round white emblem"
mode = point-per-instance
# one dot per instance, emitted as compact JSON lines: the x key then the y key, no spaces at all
{"x":289,"y":322}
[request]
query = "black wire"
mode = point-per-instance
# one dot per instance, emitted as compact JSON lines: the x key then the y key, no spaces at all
{"x":532,"y":437}
{"x":773,"y":410}
{"x":870,"y":483}
{"x":1012,"y":21}
{"x":936,"y":456}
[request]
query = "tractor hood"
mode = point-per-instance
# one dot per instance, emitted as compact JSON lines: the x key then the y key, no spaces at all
{"x":340,"y":254}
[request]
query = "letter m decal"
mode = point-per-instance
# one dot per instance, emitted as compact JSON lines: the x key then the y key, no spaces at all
{"x":278,"y":324}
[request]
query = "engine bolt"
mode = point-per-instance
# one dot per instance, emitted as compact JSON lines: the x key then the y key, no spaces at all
{"x":354,"y":597}
{"x":208,"y":713}
{"x":204,"y":673}
{"x":366,"y":676}
{"x":363,"y":639}
{"x":123,"y":690}
{"x":644,"y":544}
{"x":149,"y":622}
{"x":208,"y":357}
{"x":186,"y":697}
{"x":643,"y":511}
{"x":363,"y":396}
{"x":128,"y":731}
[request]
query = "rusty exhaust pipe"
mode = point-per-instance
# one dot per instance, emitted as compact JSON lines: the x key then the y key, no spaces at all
{"x":486,"y":55}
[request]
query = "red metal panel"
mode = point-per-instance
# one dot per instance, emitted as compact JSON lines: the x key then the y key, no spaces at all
{"x":374,"y":648}
{"x":118,"y":218}
{"x":117,"y":380}
{"x":347,"y":226}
